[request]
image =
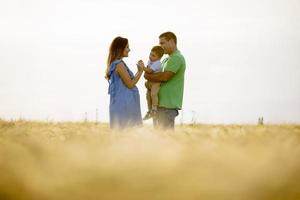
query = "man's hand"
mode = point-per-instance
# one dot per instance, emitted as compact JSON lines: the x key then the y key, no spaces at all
{"x":147,"y":76}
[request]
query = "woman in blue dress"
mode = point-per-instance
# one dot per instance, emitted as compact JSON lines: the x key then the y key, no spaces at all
{"x":124,"y":106}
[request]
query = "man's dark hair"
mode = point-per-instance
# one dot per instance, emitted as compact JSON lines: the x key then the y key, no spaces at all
{"x":168,"y":36}
{"x":158,"y":50}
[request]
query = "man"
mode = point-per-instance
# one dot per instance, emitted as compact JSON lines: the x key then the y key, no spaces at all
{"x":172,"y":82}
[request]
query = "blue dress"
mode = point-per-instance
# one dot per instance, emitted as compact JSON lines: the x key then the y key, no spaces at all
{"x":124,"y":106}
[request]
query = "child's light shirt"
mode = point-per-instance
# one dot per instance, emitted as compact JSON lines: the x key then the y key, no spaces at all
{"x":155,"y":66}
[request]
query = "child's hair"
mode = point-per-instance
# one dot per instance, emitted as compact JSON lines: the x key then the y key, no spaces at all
{"x":158,"y":50}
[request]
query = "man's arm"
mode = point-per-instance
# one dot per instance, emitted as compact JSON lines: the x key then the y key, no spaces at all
{"x":159,"y":76}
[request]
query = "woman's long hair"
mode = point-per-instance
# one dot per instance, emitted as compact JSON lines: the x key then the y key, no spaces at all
{"x":116,"y":50}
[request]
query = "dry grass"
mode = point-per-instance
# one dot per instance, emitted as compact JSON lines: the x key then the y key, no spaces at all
{"x":89,"y":161}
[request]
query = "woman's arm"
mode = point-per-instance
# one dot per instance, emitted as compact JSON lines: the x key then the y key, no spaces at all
{"x":122,"y":71}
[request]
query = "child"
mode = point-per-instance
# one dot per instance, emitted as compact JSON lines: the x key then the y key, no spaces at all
{"x":153,"y":66}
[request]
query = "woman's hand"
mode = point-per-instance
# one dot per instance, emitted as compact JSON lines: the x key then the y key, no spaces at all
{"x":140,"y":65}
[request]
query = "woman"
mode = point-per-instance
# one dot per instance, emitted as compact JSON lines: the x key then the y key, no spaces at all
{"x":124,"y":107}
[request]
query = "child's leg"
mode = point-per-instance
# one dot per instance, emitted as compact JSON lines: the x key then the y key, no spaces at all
{"x":154,"y":95}
{"x":148,"y":96}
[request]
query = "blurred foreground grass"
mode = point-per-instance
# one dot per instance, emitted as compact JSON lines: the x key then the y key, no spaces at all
{"x":89,"y":161}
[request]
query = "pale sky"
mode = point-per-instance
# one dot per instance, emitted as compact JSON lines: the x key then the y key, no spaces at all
{"x":243,"y":56}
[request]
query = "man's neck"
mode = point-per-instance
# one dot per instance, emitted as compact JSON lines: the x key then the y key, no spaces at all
{"x":175,"y":49}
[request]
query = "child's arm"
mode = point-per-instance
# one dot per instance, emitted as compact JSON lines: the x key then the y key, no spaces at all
{"x":148,"y":70}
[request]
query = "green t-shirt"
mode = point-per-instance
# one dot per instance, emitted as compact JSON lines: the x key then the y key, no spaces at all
{"x":171,"y":92}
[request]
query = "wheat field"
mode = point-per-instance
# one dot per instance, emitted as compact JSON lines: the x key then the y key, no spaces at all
{"x":51,"y":160}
